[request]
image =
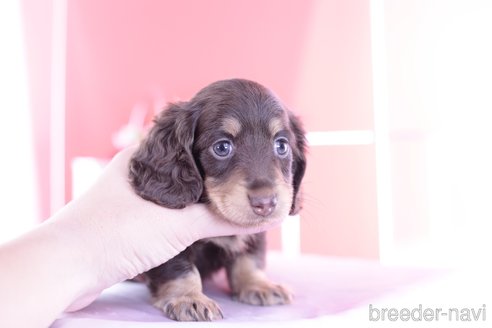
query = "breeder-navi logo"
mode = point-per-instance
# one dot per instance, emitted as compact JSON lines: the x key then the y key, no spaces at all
{"x":428,"y":314}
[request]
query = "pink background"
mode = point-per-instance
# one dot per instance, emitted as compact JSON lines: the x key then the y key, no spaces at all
{"x":315,"y":55}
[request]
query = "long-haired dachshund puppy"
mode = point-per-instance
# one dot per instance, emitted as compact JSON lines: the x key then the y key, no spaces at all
{"x":236,"y":148}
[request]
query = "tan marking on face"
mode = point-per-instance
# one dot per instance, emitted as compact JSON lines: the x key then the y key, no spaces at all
{"x":231,"y":126}
{"x":250,"y":285}
{"x":276,"y":125}
{"x":230,"y":200}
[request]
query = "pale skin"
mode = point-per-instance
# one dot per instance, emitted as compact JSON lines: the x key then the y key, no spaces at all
{"x":104,"y":237}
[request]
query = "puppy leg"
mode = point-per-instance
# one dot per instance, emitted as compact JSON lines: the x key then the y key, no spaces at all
{"x":250,"y":285}
{"x":176,"y":287}
{"x":182,"y":299}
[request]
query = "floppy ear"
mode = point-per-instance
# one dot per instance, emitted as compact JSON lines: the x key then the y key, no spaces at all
{"x":298,"y":162}
{"x":163,"y":169}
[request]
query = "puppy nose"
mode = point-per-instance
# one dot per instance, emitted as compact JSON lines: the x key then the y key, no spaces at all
{"x":263,"y":205}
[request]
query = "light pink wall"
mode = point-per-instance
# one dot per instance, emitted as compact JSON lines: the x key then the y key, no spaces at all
{"x":335,"y":93}
{"x":121,"y":54}
{"x":315,"y":54}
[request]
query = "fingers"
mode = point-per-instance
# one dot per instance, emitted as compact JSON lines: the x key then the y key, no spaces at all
{"x":209,"y":225}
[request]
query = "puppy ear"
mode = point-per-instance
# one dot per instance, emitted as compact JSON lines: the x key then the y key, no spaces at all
{"x":298,"y":162}
{"x":163,"y":169}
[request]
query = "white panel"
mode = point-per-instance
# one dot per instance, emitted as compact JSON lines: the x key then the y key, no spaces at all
{"x":57,"y":112}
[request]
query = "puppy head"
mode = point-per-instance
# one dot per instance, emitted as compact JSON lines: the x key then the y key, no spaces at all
{"x":234,"y":145}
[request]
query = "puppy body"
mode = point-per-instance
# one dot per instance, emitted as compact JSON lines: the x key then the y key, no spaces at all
{"x":237,"y":149}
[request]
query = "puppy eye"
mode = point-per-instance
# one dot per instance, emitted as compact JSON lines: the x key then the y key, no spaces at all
{"x":222,"y":149}
{"x":281,"y":147}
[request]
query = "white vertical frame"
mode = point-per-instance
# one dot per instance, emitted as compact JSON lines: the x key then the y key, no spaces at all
{"x":18,"y":192}
{"x":291,"y":236}
{"x":381,"y":131}
{"x":57,"y":110}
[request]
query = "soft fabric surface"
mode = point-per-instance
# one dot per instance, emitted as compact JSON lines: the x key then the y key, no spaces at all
{"x":326,"y":289}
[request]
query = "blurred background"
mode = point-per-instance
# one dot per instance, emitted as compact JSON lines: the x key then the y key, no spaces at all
{"x":395,"y":96}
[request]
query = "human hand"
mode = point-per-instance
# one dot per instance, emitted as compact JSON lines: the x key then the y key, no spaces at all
{"x":123,"y":235}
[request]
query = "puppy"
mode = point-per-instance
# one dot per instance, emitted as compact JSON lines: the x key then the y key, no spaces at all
{"x":236,"y":148}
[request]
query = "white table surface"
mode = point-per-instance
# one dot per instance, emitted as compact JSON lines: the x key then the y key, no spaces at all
{"x":329,"y":292}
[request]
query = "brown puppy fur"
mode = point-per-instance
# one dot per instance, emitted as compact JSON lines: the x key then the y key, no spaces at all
{"x":236,"y":148}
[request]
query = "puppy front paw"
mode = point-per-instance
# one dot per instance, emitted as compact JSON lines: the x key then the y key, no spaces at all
{"x":263,"y":293}
{"x":194,"y":307}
